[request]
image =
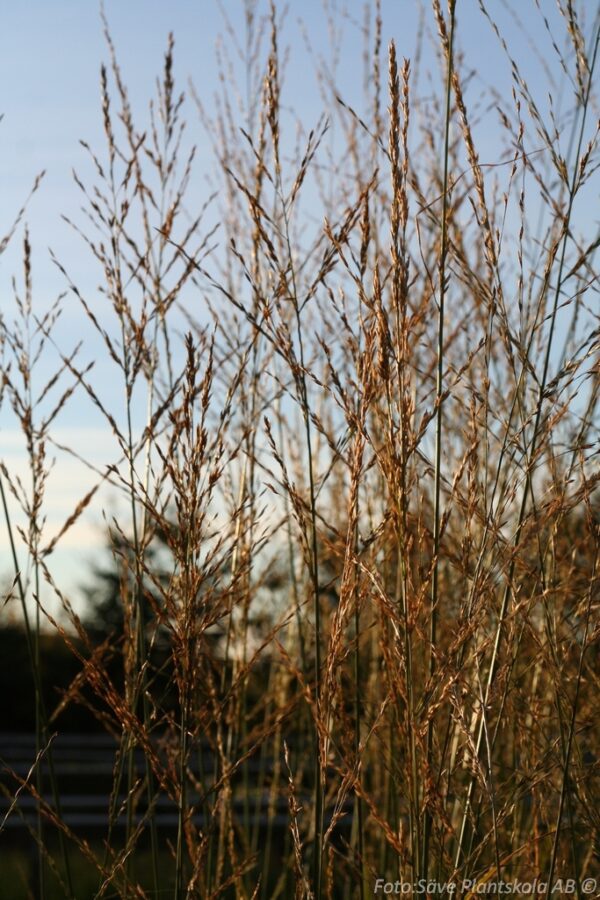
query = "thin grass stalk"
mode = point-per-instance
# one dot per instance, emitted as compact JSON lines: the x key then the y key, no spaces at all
{"x":319,"y":770}
{"x":182,"y":796}
{"x":141,"y":651}
{"x":159,"y":325}
{"x":300,"y":378}
{"x":439,"y":425}
{"x":182,"y":809}
{"x":250,"y":461}
{"x":291,"y":556}
{"x":34,"y":534}
{"x":358,"y":704}
{"x":38,"y":726}
{"x":230,"y":662}
{"x":279,"y":689}
{"x":398,"y":481}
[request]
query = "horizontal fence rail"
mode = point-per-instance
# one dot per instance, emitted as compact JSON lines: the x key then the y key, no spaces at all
{"x":85,"y":766}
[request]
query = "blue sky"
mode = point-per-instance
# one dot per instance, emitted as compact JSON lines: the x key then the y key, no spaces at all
{"x":50,"y":55}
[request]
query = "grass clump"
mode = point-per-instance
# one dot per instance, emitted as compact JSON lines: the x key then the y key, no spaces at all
{"x":356,"y":559}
